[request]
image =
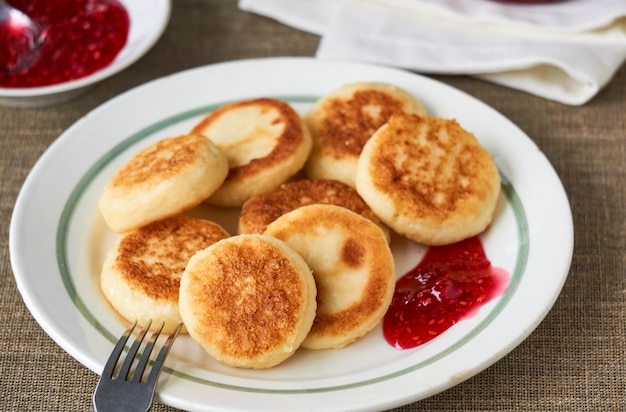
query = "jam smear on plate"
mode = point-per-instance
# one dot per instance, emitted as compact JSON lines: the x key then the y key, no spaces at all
{"x":79,"y":37}
{"x":450,"y":283}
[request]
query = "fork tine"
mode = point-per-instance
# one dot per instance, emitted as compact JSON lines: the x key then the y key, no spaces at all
{"x":126,"y":393}
{"x":160,"y":360}
{"x":109,"y":367}
{"x":143,"y":361}
{"x":132,"y":352}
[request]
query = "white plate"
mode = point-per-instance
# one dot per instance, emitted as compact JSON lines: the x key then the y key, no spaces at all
{"x":148,"y":20}
{"x":57,"y":243}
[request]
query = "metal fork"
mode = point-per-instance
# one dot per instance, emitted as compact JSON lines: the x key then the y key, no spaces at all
{"x":127,"y":391}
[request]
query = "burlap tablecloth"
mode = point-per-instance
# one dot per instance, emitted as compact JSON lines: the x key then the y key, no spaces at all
{"x":574,"y":361}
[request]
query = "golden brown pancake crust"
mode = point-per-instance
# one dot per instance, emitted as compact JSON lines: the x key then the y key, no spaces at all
{"x":247,"y":301}
{"x":344,"y":250}
{"x":153,"y":258}
{"x":263,"y":209}
{"x":161,"y":161}
{"x":164,"y":179}
{"x":430,"y":171}
{"x":141,"y":275}
{"x":291,"y":137}
{"x":346,"y":123}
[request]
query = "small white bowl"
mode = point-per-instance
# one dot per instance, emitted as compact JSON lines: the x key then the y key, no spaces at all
{"x":148,"y":20}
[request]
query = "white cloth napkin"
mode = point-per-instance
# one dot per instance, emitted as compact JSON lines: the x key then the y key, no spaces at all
{"x":566,"y":51}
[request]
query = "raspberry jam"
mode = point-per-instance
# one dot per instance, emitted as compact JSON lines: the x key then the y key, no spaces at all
{"x":79,"y":37}
{"x":449,"y":284}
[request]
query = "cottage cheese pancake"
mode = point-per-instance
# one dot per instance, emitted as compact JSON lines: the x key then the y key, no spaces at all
{"x":141,"y":274}
{"x":344,"y":120}
{"x":263,"y":209}
{"x":165,"y":179}
{"x":352,"y":265}
{"x":266,"y":142}
{"x":428,"y":179}
{"x":248,"y":300}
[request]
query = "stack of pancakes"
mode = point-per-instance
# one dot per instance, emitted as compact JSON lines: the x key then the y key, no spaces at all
{"x":311,"y":264}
